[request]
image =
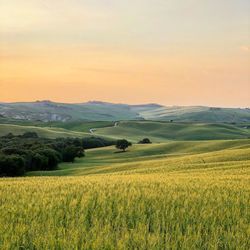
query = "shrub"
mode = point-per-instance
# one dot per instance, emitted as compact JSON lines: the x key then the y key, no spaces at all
{"x":30,"y":135}
{"x":145,"y":141}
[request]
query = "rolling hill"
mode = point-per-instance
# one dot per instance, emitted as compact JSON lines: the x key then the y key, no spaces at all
{"x":47,"y":111}
{"x":162,"y":131}
{"x":50,"y":111}
{"x":169,"y":156}
{"x":46,"y":132}
{"x":134,"y":130}
{"x":198,"y":114}
{"x":179,"y":194}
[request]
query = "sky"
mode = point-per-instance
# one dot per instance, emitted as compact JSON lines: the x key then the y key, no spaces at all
{"x":172,"y":52}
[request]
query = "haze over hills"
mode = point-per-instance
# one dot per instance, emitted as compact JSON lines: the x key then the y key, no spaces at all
{"x":47,"y":111}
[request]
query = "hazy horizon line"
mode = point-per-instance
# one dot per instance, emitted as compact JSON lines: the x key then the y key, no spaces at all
{"x":124,"y":103}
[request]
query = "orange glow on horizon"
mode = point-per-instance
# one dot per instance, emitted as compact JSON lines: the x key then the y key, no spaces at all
{"x":82,"y":52}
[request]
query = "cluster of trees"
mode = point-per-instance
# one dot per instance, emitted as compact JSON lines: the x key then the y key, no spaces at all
{"x":28,"y":152}
{"x":124,"y":144}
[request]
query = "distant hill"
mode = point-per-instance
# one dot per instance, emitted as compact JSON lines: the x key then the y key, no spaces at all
{"x":47,"y":111}
{"x":163,"y":131}
{"x":198,"y":114}
{"x":51,"y":111}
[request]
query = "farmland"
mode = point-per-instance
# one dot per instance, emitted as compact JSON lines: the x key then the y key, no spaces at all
{"x":176,"y":195}
{"x":198,"y":210}
{"x":124,"y":125}
{"x":147,"y":158}
{"x":135,"y":130}
{"x":163,"y":131}
{"x":188,"y":193}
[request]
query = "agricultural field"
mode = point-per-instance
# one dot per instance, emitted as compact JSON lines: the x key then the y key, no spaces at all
{"x":133,"y":130}
{"x":143,"y":157}
{"x":47,"y":132}
{"x":174,"y":195}
{"x":124,"y":125}
{"x":165,"y":131}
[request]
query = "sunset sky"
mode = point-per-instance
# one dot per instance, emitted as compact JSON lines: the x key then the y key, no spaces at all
{"x":173,"y":52}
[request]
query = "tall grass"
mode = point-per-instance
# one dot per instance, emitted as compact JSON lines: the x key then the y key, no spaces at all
{"x":202,"y":210}
{"x":188,"y":200}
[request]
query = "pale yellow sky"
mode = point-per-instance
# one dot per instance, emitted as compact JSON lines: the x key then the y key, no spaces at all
{"x":185,"y":52}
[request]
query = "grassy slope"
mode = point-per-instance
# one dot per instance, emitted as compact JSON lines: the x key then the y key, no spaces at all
{"x":197,"y":114}
{"x":108,"y":160}
{"x":99,"y":111}
{"x":41,"y":131}
{"x":74,"y":112}
{"x":81,"y":126}
{"x":84,"y":126}
{"x":186,"y":195}
{"x":135,"y":130}
{"x":170,"y":112}
{"x":162,"y":131}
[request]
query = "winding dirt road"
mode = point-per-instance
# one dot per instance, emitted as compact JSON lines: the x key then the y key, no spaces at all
{"x":92,"y":130}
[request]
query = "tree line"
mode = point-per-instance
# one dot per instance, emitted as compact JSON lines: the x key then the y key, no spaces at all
{"x":28,"y":152}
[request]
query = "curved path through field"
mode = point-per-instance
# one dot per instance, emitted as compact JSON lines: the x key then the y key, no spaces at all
{"x":92,"y":130}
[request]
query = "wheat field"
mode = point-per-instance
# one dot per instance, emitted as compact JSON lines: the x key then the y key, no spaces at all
{"x":146,"y":205}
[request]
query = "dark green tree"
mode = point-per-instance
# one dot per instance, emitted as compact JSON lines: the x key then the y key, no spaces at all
{"x":145,"y":141}
{"x":123,"y":144}
{"x":11,"y":165}
{"x":71,"y":152}
{"x":52,"y":156}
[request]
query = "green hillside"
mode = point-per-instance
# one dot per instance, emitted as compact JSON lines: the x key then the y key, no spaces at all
{"x":50,"y":111}
{"x":180,"y":194}
{"x":197,"y":114}
{"x":41,"y":131}
{"x":109,"y":160}
{"x":80,"y":126}
{"x":47,"y":111}
{"x":134,"y":130}
{"x":162,"y":131}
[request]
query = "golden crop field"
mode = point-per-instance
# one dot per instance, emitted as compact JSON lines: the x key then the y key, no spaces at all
{"x":163,"y":208}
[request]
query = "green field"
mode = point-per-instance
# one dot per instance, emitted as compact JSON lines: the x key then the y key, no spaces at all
{"x":191,"y":192}
{"x":47,"y":132}
{"x":109,"y":160}
{"x":163,"y":131}
{"x":197,"y":114}
{"x":176,"y":195}
{"x":135,"y":130}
